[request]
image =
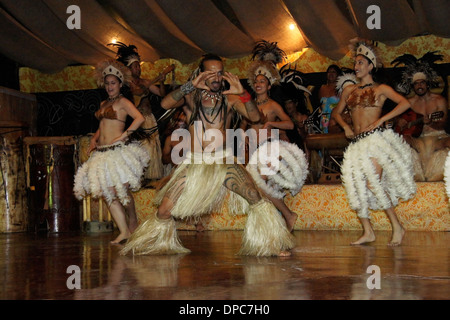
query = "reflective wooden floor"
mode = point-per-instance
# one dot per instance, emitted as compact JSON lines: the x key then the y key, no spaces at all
{"x":323,"y":266}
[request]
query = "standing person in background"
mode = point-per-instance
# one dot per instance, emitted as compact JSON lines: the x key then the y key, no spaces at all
{"x":117,"y":163}
{"x":146,"y":94}
{"x":328,"y":96}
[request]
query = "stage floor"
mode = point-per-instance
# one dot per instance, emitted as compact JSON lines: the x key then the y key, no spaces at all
{"x":323,"y":266}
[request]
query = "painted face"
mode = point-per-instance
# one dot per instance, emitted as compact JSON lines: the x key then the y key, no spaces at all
{"x":261,"y":84}
{"x":362,"y":66}
{"x":215,"y":82}
{"x":135,"y":69}
{"x":112,"y":85}
{"x":420,"y":87}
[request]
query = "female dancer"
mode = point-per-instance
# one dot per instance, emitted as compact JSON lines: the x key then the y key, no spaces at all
{"x":377,"y":169}
{"x":117,"y":163}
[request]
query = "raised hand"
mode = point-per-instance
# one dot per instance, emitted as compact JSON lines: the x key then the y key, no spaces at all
{"x":200,"y":81}
{"x":235,"y":85}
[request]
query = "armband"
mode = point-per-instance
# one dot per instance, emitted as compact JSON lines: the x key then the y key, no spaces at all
{"x":246,"y":97}
{"x":187,"y":88}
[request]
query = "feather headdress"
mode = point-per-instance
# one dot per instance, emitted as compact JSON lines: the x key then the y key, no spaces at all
{"x":293,"y":77}
{"x":268,"y":51}
{"x":345,"y":80}
{"x":126,"y":54}
{"x":266,"y":55}
{"x":112,"y":67}
{"x":417,"y":69}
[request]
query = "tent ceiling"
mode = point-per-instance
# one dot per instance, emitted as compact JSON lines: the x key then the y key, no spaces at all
{"x":35,"y":34}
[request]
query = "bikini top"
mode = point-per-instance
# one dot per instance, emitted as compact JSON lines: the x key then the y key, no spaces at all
{"x":107,"y":113}
{"x":364,"y":100}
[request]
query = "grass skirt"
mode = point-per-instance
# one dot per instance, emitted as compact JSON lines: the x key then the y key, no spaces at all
{"x":393,"y":154}
{"x":155,"y":169}
{"x":110,"y":171}
{"x":154,"y":237}
{"x":265,"y":232}
{"x":197,"y":189}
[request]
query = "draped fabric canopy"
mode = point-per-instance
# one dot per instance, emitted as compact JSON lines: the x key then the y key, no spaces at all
{"x":35,"y":33}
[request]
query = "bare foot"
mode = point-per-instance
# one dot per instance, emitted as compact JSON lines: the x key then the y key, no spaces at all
{"x":284,"y":254}
{"x":290,"y":222}
{"x":365,"y":238}
{"x":397,"y":238}
{"x":199,"y":227}
{"x":121,"y":238}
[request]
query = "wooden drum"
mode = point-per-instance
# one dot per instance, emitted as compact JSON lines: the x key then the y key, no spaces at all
{"x":50,"y":176}
{"x":13,"y":197}
{"x":329,"y":145}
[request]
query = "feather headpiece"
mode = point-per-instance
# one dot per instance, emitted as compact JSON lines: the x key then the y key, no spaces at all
{"x":112,"y":67}
{"x":126,"y":54}
{"x":345,"y":80}
{"x":268,"y":51}
{"x":266,"y":55}
{"x":417,"y":69}
{"x":293,"y":77}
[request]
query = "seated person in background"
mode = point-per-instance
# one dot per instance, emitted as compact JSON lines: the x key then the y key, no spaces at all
{"x":298,"y":134}
{"x":432,"y":143}
{"x":178,"y":121}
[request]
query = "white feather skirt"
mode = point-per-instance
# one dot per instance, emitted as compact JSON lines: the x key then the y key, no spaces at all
{"x":447,"y":175}
{"x":394,"y":155}
{"x":110,"y":171}
{"x":287,"y":168}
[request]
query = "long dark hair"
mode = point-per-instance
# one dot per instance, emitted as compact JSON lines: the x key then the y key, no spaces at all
{"x":218,"y":110}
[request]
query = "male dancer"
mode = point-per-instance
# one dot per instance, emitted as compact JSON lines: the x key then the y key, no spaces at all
{"x":196,"y":189}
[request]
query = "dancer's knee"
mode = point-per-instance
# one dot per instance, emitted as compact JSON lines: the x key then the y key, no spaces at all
{"x":164,"y":209}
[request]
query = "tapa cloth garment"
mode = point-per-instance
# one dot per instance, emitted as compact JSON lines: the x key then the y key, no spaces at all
{"x":393,"y":154}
